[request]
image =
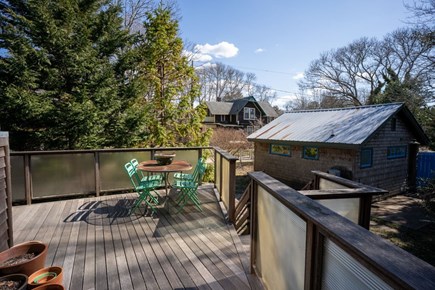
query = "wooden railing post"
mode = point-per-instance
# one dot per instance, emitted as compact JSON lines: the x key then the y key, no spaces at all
{"x":27,"y":179}
{"x":97,"y":173}
{"x":254,"y":226}
{"x":313,"y":257}
{"x":232,"y":191}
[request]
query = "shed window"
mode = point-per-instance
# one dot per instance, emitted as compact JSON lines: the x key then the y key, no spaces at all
{"x":249,"y":113}
{"x":396,"y":152}
{"x":280,"y":149}
{"x":366,"y":158}
{"x":310,"y":153}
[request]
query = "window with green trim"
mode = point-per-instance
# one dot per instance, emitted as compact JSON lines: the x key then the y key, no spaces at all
{"x":396,"y":152}
{"x":366,"y":159}
{"x":310,"y":153}
{"x":280,"y":149}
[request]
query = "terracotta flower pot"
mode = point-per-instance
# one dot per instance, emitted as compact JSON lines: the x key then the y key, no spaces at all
{"x":50,"y":287}
{"x":48,"y":275}
{"x":25,"y":266}
{"x":20,"y":278}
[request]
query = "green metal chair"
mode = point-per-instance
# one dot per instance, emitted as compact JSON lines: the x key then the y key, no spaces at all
{"x":194,"y":175}
{"x":188,"y":190}
{"x":143,"y":188}
{"x":144,"y":177}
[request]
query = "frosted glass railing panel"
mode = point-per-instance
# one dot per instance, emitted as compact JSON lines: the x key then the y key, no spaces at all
{"x":112,"y":173}
{"x":348,"y":207}
{"x":225,"y":192}
{"x":328,"y":184}
{"x":17,"y":178}
{"x":281,"y":242}
{"x":341,"y":270}
{"x":217,"y":172}
{"x":62,"y":174}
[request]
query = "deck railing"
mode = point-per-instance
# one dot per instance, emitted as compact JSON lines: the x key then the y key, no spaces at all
{"x":225,"y":179}
{"x":297,"y":243}
{"x":54,"y":174}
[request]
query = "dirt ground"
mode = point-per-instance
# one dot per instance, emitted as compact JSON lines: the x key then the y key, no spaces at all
{"x":404,"y":221}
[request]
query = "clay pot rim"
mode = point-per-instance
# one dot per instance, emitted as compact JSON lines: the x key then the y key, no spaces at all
{"x":51,"y":269}
{"x":23,"y":278}
{"x":26,"y":244}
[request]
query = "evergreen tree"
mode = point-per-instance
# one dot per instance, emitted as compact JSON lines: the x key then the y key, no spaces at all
{"x":59,"y":88}
{"x":171,"y":83}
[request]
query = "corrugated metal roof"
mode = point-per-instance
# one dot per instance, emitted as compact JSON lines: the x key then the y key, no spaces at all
{"x":219,"y":108}
{"x":338,"y":126}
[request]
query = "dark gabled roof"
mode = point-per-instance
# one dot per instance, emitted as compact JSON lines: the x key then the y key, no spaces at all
{"x":219,"y":108}
{"x":240,"y":104}
{"x":234,"y":107}
{"x":352,"y":126}
{"x":268,"y":110}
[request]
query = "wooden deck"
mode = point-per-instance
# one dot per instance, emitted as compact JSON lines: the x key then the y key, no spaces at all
{"x":100,"y":246}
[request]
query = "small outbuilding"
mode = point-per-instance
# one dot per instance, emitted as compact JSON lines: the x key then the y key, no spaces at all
{"x":375,"y":145}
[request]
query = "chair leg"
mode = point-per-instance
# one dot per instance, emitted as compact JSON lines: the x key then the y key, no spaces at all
{"x":186,"y":195}
{"x":146,"y":197}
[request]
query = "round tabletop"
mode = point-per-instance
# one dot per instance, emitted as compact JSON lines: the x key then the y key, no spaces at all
{"x":152,"y":166}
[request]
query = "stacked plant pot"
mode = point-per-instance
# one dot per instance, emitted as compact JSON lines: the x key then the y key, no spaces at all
{"x":22,"y":267}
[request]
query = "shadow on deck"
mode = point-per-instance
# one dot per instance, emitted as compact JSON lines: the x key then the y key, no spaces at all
{"x":101,"y":246}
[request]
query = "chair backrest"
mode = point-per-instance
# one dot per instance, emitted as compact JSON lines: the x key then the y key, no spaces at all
{"x":199,"y":170}
{"x":135,"y":163}
{"x":132,"y":174}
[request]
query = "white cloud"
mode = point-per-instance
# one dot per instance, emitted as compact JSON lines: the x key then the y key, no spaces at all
{"x":283,"y":100}
{"x":259,"y":50}
{"x":221,"y":50}
{"x":298,"y":76}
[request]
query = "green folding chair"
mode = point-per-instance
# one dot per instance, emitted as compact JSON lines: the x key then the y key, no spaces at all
{"x":143,"y":188}
{"x":194,"y":175}
{"x":144,"y":177}
{"x":188,"y":190}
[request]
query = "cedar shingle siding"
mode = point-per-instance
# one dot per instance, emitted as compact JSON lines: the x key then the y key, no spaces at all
{"x":5,"y":205}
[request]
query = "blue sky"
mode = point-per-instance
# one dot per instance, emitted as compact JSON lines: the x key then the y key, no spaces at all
{"x":277,"y":39}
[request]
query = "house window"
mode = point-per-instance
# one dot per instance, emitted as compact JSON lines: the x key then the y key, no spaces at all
{"x":222,"y":118}
{"x":249,"y":113}
{"x":310,"y":153}
{"x":396,"y":152}
{"x":249,"y":130}
{"x":280,"y":149}
{"x":366,"y":159}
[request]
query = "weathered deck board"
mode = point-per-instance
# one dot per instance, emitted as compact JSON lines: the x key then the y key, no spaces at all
{"x":101,"y":246}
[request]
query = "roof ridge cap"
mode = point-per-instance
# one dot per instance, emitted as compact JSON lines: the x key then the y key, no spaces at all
{"x":347,"y":108}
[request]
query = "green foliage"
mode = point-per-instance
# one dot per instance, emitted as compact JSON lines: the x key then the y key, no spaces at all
{"x":59,"y":85}
{"x":411,"y":92}
{"x":72,"y":78}
{"x":172,"y":85}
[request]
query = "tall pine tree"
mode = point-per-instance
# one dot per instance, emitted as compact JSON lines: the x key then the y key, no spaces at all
{"x":171,"y":84}
{"x":59,"y":87}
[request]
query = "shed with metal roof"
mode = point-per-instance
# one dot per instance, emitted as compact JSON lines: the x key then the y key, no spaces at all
{"x":373,"y":144}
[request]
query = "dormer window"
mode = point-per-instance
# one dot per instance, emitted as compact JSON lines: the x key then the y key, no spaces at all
{"x":249,"y":113}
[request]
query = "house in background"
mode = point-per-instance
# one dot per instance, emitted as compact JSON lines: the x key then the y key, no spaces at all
{"x":245,"y":113}
{"x":374,"y":145}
